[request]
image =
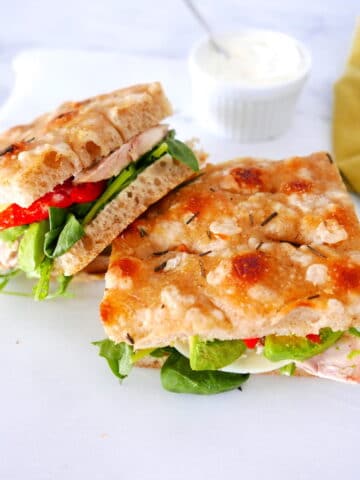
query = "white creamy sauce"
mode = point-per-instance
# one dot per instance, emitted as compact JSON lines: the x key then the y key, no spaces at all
{"x":255,"y":58}
{"x":252,"y":361}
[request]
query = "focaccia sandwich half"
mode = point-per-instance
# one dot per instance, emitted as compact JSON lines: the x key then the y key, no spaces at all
{"x":73,"y":179}
{"x":252,"y":267}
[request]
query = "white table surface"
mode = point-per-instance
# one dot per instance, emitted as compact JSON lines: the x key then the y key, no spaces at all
{"x":63,"y":416}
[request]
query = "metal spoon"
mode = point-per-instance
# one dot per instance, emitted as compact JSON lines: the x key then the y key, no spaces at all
{"x":216,"y":45}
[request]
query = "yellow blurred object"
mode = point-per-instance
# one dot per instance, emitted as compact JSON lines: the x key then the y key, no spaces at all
{"x":346,"y":119}
{"x":3,"y":206}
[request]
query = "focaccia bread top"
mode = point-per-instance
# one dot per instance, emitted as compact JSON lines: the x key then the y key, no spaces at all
{"x":249,"y":248}
{"x":38,"y":156}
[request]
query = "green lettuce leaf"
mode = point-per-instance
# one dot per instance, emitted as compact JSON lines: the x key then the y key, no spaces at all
{"x":139,"y":354}
{"x":117,"y":355}
{"x":43,"y":241}
{"x":213,"y":355}
{"x":278,"y":347}
{"x":41,"y":289}
{"x":31,"y":248}
{"x":9,"y":235}
{"x":6,"y":277}
{"x":63,"y":284}
{"x":177,"y":376}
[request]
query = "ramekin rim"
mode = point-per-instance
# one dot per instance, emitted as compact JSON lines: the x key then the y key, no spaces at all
{"x":303,"y":73}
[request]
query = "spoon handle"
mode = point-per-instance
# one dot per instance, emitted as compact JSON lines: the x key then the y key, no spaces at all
{"x":207,"y":28}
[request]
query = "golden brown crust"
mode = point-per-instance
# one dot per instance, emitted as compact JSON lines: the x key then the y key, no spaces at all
{"x":151,"y":185}
{"x":150,"y":362}
{"x":38,"y":156}
{"x":250,"y":248}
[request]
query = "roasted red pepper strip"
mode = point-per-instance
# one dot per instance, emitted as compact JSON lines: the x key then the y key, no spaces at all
{"x":313,"y":337}
{"x":62,"y":196}
{"x":251,"y":342}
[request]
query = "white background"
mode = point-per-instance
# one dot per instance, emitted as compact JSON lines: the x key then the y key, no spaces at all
{"x":62,"y":415}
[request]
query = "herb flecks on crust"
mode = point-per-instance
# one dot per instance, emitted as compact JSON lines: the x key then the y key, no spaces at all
{"x":254,"y":263}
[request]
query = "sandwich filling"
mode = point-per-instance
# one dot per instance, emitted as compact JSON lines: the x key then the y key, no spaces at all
{"x":209,"y":367}
{"x":32,"y":238}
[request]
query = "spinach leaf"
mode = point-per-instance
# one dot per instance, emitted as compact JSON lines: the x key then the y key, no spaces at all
{"x":161,"y":352}
{"x":171,"y":134}
{"x":41,"y":289}
{"x":120,"y":182}
{"x":177,"y":376}
{"x":31,"y":248}
{"x":65,"y":230}
{"x":57,"y":218}
{"x":81,"y":209}
{"x":9,"y":235}
{"x":181,"y":152}
{"x":69,"y":235}
{"x":212,"y":355}
{"x":117,"y":355}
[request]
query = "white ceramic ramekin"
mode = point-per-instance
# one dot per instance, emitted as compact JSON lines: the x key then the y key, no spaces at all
{"x":242,"y":112}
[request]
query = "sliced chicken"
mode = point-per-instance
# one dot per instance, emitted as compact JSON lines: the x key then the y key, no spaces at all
{"x":129,"y":152}
{"x":8,"y":256}
{"x":340,"y":362}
